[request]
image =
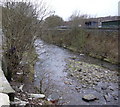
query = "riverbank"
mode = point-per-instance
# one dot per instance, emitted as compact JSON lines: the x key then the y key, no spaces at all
{"x":23,"y":83}
{"x":101,"y":44}
{"x":24,"y":90}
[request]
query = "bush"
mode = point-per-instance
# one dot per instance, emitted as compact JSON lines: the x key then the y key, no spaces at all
{"x":20,"y":26}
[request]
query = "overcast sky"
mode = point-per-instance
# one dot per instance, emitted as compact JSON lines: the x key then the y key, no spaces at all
{"x":95,"y":8}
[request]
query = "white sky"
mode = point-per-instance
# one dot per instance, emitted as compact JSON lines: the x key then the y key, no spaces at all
{"x":95,"y":8}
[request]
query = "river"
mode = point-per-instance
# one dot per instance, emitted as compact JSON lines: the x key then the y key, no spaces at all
{"x":51,"y":76}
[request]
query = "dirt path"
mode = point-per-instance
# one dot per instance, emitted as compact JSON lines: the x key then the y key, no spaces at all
{"x":69,"y":77}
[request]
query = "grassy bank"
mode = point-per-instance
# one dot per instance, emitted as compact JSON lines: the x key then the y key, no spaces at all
{"x":102,"y":44}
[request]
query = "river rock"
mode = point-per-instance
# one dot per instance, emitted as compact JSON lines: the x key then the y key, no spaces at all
{"x":111,"y":88}
{"x":37,"y":96}
{"x":84,"y":86}
{"x":104,"y":87}
{"x":19,"y":73}
{"x":72,"y":75}
{"x":16,"y":99}
{"x":19,"y":103}
{"x":107,"y":98}
{"x":78,"y":89}
{"x":81,"y":54}
{"x":67,"y":82}
{"x":115,"y":97}
{"x":79,"y":70}
{"x":89,"y":97}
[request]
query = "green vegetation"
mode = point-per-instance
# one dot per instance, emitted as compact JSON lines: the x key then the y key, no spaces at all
{"x":53,"y":21}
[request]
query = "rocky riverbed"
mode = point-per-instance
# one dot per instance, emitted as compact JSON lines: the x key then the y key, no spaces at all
{"x":95,"y":78}
{"x":75,"y":79}
{"x":90,"y":75}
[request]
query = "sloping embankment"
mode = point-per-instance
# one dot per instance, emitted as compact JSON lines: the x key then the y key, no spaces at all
{"x":102,"y":44}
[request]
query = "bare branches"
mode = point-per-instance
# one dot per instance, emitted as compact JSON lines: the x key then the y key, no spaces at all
{"x":21,"y":25}
{"x":78,"y":19}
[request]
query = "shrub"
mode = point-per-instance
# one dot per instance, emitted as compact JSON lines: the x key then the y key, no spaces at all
{"x":20,"y":26}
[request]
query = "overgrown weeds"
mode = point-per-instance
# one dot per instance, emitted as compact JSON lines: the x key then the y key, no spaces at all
{"x":96,"y":43}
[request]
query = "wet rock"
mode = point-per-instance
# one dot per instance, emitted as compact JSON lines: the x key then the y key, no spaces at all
{"x":89,"y":97}
{"x":16,"y":99}
{"x":106,"y":71}
{"x":78,"y":89}
{"x":90,"y":82}
{"x":19,"y":103}
{"x":71,"y":74}
{"x":67,"y":82}
{"x":115,"y":97}
{"x":107,"y":98}
{"x":79,"y":70}
{"x":81,"y":54}
{"x":97,"y":80}
{"x":37,"y":96}
{"x":95,"y":83}
{"x":73,"y":58}
{"x":84,"y":74}
{"x":19,"y":73}
{"x":84,"y":86}
{"x":104,"y":87}
{"x":111,"y":88}
{"x":29,"y":98}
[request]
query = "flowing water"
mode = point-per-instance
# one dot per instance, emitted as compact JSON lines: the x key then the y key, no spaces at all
{"x":51,"y":76}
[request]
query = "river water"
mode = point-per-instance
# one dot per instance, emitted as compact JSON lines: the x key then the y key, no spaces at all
{"x":51,"y":76}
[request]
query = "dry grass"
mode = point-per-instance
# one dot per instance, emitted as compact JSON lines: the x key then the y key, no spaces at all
{"x":96,"y":43}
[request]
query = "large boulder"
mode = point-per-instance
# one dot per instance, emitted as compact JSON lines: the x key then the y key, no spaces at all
{"x":89,"y":97}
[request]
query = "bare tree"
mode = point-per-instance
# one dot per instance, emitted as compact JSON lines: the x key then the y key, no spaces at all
{"x":20,"y":25}
{"x":78,"y":19}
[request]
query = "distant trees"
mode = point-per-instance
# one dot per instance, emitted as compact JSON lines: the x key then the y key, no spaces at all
{"x":20,"y":27}
{"x":53,"y":21}
{"x":78,"y":19}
